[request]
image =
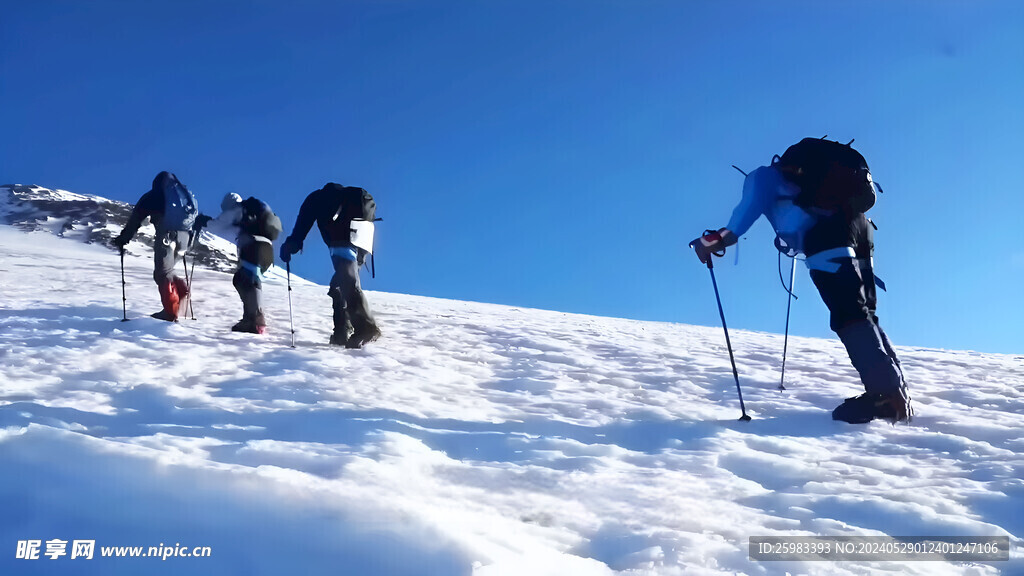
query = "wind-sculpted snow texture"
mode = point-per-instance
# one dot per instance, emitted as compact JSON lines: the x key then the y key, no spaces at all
{"x":471,"y":439}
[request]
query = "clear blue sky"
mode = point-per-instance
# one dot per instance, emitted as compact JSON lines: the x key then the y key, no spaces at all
{"x":555,"y":154}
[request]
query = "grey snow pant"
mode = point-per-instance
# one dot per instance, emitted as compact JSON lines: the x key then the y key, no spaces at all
{"x":351,"y":309}
{"x":169,"y":248}
{"x":250,"y":290}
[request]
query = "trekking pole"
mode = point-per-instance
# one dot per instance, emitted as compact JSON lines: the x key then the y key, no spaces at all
{"x":191,"y":275}
{"x":789,"y":305}
{"x":188,"y":281}
{"x":124,"y":295}
{"x":728,"y":344}
{"x":291,"y":325}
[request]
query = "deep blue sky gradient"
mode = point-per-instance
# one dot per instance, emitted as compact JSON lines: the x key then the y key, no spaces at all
{"x":555,"y":154}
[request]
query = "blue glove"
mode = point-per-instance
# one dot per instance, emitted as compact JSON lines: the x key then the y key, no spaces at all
{"x":289,"y":247}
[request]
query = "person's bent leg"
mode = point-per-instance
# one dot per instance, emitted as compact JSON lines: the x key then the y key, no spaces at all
{"x":184,"y":290}
{"x":878,"y":372}
{"x":342,"y":323}
{"x":163,"y":274}
{"x":249,"y":289}
{"x":357,"y":308}
{"x":852,"y":319}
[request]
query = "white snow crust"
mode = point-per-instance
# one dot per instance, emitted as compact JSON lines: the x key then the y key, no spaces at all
{"x":470,"y":439}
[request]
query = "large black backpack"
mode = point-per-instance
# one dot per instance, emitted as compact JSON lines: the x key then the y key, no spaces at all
{"x":831,"y":176}
{"x":356,"y":204}
{"x":259,"y":220}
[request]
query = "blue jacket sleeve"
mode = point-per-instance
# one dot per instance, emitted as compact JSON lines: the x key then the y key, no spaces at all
{"x":754,"y":201}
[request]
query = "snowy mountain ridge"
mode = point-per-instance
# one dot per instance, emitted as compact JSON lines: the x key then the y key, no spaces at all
{"x":95,"y":220}
{"x":471,"y":439}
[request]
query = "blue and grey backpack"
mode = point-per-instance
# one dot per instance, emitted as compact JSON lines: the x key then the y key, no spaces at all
{"x":180,"y":206}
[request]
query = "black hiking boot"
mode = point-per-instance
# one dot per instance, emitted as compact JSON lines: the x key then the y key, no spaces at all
{"x":249,"y":327}
{"x":866,"y":407}
{"x":165,"y":316}
{"x":360,"y":338}
{"x":257,"y":325}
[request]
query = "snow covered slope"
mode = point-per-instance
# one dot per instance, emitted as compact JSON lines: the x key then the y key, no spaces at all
{"x":471,"y":439}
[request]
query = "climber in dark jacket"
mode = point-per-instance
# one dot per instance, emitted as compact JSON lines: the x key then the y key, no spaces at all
{"x":172,"y":209}
{"x":333,"y":208}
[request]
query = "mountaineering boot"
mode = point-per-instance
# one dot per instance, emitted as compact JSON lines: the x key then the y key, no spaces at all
{"x":255,"y":325}
{"x":885,"y":391}
{"x":249,"y":327}
{"x":365,"y":329}
{"x":164,"y":315}
{"x":364,"y":335}
{"x":261,"y":323}
{"x":868,"y":406}
{"x":169,"y":299}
